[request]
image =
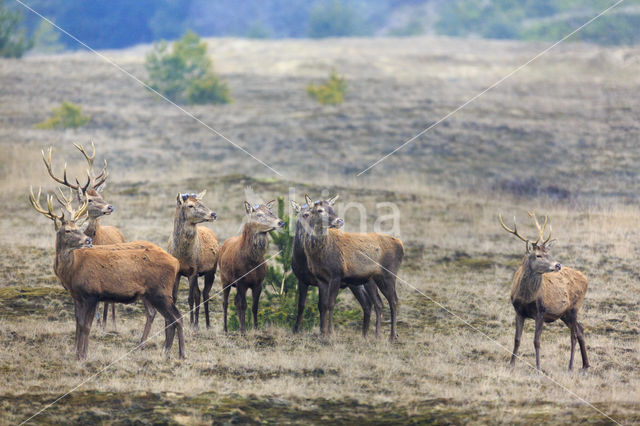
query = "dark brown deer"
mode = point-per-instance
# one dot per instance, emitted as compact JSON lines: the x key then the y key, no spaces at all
{"x":544,"y":290}
{"x":365,"y":295}
{"x":196,"y":247}
{"x":98,"y":207}
{"x":119,"y":273}
{"x":242,"y":263}
{"x":335,"y":256}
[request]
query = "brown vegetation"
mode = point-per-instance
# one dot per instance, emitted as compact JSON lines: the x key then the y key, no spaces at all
{"x":196,"y":248}
{"x":543,"y":290}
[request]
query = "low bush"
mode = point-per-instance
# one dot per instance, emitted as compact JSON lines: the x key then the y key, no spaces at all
{"x":329,"y":93}
{"x":66,"y":116}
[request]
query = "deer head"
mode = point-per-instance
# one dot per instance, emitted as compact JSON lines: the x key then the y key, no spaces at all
{"x":321,"y":214}
{"x":89,"y":191}
{"x":304,"y":211}
{"x":538,"y":258}
{"x":261,"y":216}
{"x":192,"y":210}
{"x":68,"y":235}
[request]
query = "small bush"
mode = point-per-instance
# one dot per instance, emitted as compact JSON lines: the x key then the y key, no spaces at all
{"x":184,"y":72}
{"x":66,"y":116}
{"x":331,"y":92}
{"x":13,"y":39}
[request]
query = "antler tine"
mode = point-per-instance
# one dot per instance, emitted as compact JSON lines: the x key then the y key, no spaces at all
{"x":35,"y":202}
{"x":65,"y":202}
{"x":102,"y":177}
{"x":47,"y":163}
{"x":513,"y":231}
{"x":82,"y":210}
{"x":549,"y":237}
{"x":89,"y":158}
{"x":540,"y":230}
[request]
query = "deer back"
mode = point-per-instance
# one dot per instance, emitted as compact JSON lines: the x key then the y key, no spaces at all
{"x":107,"y":235}
{"x":209,"y":249}
{"x":563,"y":290}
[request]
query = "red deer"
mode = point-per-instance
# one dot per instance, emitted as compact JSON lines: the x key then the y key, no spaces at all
{"x":335,"y":256}
{"x":366,"y":297}
{"x":119,"y":273}
{"x":196,"y":248}
{"x":544,"y":290}
{"x":98,"y":207}
{"x":242,"y":263}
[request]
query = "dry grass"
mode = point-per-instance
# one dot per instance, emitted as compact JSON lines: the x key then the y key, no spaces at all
{"x":440,"y":370}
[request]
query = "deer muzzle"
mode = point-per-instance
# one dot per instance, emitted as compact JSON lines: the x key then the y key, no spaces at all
{"x":558,"y":267}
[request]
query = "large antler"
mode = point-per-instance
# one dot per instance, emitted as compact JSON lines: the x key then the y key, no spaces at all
{"x":35,"y":202}
{"x":541,"y":229}
{"x":66,"y":202}
{"x":513,"y":231}
{"x":96,"y":180}
{"x":64,"y":181}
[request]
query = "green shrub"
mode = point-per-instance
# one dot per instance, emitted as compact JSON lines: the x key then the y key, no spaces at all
{"x":66,"y":116}
{"x":13,"y":38}
{"x":46,"y":39}
{"x":331,"y":92}
{"x":184,"y":72}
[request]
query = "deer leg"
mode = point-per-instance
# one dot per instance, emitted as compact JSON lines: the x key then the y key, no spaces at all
{"x":583,"y":346}
{"x":173,"y":323}
{"x":151,"y":314}
{"x":255,"y":296}
{"x":208,"y":283}
{"x":176,"y":288}
{"x":362,"y":298}
{"x":194,"y":294}
{"x":516,"y":340}
{"x":334,"y":288}
{"x":87,"y":312}
{"x":225,"y":304}
{"x":374,"y":297}
{"x":77,"y":310}
{"x":104,"y":315}
{"x":387,"y":286}
{"x":241,"y":306}
{"x":537,"y":333}
{"x":569,"y":319}
{"x":302,"y":300}
{"x":323,"y":305}
{"x":113,"y":315}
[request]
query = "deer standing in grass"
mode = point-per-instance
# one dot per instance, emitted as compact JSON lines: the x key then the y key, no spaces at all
{"x":544,"y":291}
{"x":365,"y":295}
{"x":241,"y":261}
{"x":335,"y":256}
{"x":196,"y":247}
{"x":119,"y":273}
{"x":98,"y":207}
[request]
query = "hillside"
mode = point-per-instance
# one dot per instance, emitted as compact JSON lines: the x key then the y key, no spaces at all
{"x":559,"y":137}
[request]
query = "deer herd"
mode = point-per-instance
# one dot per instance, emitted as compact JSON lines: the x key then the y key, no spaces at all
{"x":96,"y":264}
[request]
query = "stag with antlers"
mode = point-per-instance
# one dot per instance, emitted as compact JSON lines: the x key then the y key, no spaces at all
{"x":98,"y":207}
{"x":544,"y":290}
{"x":119,"y":273}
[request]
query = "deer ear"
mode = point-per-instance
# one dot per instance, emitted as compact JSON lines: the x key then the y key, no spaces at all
{"x":179,"y":199}
{"x":270,"y":204}
{"x":200,"y":196}
{"x":295,"y":206}
{"x":101,"y":187}
{"x":332,"y":201}
{"x":248,"y":208}
{"x":307,"y":200}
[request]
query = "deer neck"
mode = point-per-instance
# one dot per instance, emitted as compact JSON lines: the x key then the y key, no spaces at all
{"x":185,"y":236}
{"x":317,"y":238}
{"x":64,"y":262}
{"x":92,"y":227}
{"x":529,"y":284}
{"x":254,"y":242}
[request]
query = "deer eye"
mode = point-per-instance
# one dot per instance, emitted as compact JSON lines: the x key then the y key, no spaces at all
{"x":67,"y":231}
{"x":320,"y":210}
{"x":190,"y":206}
{"x":90,"y":200}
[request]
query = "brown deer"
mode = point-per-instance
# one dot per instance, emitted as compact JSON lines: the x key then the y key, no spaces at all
{"x":196,"y":248}
{"x":544,"y":290}
{"x":242,"y":263}
{"x":365,"y":295}
{"x":98,"y":207}
{"x":119,"y":273}
{"x":335,"y":256}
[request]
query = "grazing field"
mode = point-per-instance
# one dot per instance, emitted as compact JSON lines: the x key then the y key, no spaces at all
{"x":560,"y":137}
